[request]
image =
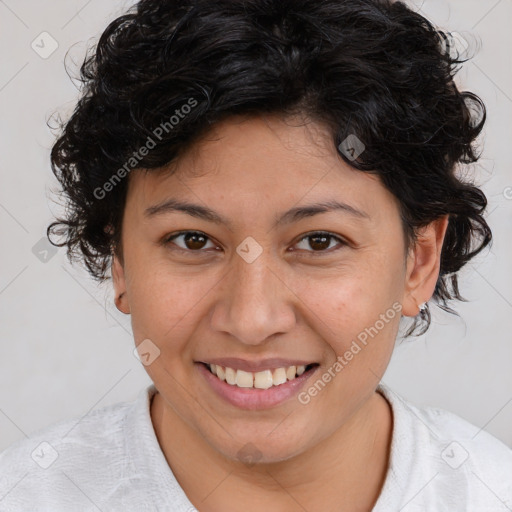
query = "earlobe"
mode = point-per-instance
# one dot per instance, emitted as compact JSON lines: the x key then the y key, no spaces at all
{"x":119,"y":281}
{"x":423,"y":265}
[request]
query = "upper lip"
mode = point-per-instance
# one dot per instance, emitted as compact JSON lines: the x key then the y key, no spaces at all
{"x":256,"y":366}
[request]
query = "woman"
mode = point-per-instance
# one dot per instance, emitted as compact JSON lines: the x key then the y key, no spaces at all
{"x":273,"y":187}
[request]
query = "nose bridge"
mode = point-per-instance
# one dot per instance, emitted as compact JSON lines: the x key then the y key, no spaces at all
{"x":254,"y":303}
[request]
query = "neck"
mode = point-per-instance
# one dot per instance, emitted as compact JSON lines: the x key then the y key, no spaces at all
{"x":349,"y":466}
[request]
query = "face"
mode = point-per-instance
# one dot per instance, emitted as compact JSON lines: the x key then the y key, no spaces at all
{"x":256,"y":278}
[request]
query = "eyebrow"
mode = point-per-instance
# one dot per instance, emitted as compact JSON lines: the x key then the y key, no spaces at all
{"x":292,"y":215}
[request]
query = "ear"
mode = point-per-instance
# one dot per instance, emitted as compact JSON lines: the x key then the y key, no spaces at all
{"x":423,"y":264}
{"x":119,"y":281}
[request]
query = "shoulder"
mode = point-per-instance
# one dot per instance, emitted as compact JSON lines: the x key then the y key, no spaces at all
{"x":455,"y":460}
{"x":57,"y":464}
{"x":460,"y":441}
{"x":99,"y":425}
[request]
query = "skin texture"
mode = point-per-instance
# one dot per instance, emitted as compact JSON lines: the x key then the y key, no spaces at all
{"x":301,"y":303}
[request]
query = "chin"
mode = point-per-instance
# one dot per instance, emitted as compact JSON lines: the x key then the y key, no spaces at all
{"x":258,"y":450}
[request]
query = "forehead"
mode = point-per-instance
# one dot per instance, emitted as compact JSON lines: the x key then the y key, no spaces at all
{"x":259,"y":161}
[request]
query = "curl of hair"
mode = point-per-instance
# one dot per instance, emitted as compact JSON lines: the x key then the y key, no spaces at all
{"x":370,"y":68}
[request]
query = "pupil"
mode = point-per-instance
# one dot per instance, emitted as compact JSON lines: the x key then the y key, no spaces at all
{"x":314,"y":244}
{"x":193,"y":237}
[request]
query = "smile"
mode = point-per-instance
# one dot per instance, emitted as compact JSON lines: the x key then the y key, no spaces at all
{"x":260,"y":380}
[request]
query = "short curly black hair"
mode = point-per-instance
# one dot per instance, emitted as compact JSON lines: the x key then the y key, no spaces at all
{"x":374,"y":69}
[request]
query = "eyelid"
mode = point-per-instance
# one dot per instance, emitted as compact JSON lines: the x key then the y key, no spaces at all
{"x":168,"y":240}
{"x":341,"y":241}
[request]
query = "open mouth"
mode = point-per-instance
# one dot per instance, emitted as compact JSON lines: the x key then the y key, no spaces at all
{"x":260,"y":380}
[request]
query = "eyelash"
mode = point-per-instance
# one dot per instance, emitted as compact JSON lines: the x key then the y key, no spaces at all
{"x":169,"y":240}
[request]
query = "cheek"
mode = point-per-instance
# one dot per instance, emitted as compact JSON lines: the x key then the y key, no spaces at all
{"x":165,"y":305}
{"x":355,"y":306}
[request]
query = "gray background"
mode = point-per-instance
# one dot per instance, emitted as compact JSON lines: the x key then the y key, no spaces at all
{"x":65,"y":349}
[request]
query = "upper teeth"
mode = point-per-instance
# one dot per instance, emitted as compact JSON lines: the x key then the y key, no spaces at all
{"x":261,"y":380}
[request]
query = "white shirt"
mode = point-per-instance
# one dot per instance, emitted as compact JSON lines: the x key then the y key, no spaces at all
{"x":110,"y":460}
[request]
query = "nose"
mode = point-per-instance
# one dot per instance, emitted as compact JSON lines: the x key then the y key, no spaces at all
{"x":253,"y":302}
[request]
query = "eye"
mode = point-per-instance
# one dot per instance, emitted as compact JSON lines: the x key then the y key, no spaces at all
{"x":320,"y":241}
{"x":193,"y":241}
{"x":196,"y":241}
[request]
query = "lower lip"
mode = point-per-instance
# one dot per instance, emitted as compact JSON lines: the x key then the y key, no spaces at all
{"x":253,"y":398}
